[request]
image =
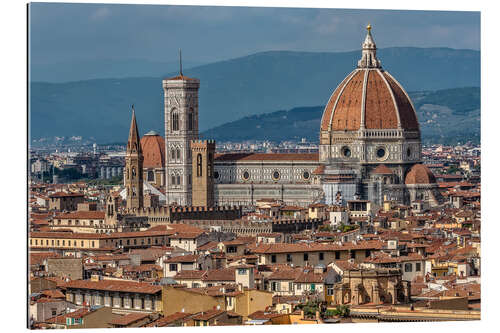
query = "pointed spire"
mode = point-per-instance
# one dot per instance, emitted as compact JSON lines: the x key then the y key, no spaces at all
{"x":133,"y":144}
{"x":180,"y":62}
{"x":369,"y":52}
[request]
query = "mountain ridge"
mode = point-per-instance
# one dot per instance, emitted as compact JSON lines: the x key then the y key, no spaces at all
{"x":234,"y":88}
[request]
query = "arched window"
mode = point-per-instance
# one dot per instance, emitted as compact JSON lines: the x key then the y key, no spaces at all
{"x":151,"y":176}
{"x":175,"y":121}
{"x":190,"y":119}
{"x":172,"y":154}
{"x":199,"y":172}
{"x":133,"y":172}
{"x":178,"y":155}
{"x":173,"y":180}
{"x":178,"y":180}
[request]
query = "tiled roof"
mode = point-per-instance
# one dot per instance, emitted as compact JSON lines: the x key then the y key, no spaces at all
{"x":420,"y":174}
{"x":128,"y":319}
{"x":208,"y":246}
{"x":62,"y":318}
{"x":182,"y":259}
{"x":207,"y":315}
{"x":167,"y":320}
{"x":36,"y":258}
{"x":114,"y":285}
{"x":385,"y":102}
{"x":315,"y":247}
{"x":190,"y":274}
{"x":65,"y":194}
{"x":310,"y":277}
{"x":185,"y":235}
{"x":84,"y":215}
{"x":153,"y":150}
{"x":225,"y":274}
{"x":181,"y":78}
{"x":70,"y":235}
{"x":382,"y":169}
{"x":285,"y":274}
{"x":266,"y":157}
{"x":141,"y":268}
{"x":53,"y":293}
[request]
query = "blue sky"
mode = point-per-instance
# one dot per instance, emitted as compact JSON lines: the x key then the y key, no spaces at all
{"x":81,"y":32}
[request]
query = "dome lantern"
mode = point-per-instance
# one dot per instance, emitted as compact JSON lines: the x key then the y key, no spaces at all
{"x":369,"y":52}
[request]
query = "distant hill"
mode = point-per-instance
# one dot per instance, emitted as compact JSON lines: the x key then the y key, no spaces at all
{"x":233,"y":89}
{"x":102,"y":69}
{"x":446,"y":116}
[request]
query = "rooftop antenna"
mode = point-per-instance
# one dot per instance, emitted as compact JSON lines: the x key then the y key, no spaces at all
{"x":180,"y":61}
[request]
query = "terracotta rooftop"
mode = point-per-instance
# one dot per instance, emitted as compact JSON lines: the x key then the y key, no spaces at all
{"x":183,"y":259}
{"x":181,"y":78}
{"x":128,"y":319}
{"x":84,"y":215}
{"x":382,"y":169}
{"x":114,"y":285}
{"x":315,"y":247}
{"x":386,"y":102}
{"x":266,"y":157}
{"x":207,"y":315}
{"x":161,"y":322}
{"x":420,"y":174}
{"x":153,"y":150}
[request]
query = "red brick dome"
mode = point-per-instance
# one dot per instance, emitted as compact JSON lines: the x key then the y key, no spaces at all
{"x":153,"y":150}
{"x":420,"y":174}
{"x":369,"y":97}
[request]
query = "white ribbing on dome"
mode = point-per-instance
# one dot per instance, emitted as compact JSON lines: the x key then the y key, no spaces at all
{"x":392,"y":97}
{"x":369,"y":52}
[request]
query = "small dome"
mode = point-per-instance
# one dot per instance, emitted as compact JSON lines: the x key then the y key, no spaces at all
{"x":153,"y":150}
{"x":420,"y":174}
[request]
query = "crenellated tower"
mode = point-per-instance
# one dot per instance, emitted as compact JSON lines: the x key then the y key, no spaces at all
{"x":203,"y":153}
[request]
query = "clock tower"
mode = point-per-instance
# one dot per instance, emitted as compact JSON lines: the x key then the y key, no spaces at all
{"x":181,"y":127}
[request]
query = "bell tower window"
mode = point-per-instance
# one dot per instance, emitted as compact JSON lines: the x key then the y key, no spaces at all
{"x":190,"y":119}
{"x":175,"y":121}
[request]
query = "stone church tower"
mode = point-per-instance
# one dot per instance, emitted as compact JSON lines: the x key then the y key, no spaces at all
{"x":181,"y":127}
{"x":203,"y":173}
{"x":133,"y":168}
